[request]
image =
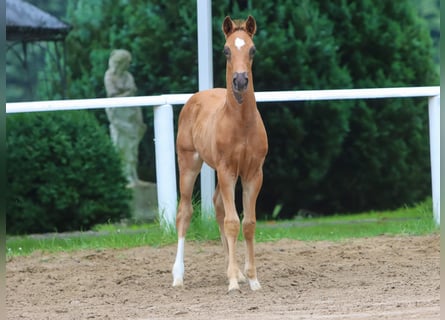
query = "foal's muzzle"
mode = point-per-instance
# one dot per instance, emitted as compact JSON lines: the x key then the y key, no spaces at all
{"x":240,"y":81}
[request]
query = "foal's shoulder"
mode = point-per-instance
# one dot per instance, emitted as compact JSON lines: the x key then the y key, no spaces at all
{"x":215,"y":93}
{"x":211,"y":98}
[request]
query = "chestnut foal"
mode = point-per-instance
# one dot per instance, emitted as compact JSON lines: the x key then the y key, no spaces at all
{"x":224,"y":129}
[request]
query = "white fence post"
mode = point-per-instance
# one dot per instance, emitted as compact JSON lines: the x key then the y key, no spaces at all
{"x":205,"y":73}
{"x":165,"y":164}
{"x":434,"y":121}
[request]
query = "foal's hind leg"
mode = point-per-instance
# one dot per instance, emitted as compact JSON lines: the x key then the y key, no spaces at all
{"x":189,"y":166}
{"x":219,"y":212}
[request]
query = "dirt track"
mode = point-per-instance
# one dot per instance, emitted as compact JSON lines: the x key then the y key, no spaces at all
{"x":377,"y":278}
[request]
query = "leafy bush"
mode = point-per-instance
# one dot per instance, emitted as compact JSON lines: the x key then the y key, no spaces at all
{"x":63,"y":173}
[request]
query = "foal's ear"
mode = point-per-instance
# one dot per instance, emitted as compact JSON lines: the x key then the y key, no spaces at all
{"x":228,"y":26}
{"x":250,"y":26}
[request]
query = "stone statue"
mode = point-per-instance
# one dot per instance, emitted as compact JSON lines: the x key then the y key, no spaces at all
{"x":126,"y":124}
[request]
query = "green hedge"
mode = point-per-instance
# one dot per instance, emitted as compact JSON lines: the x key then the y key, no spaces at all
{"x":62,"y":173}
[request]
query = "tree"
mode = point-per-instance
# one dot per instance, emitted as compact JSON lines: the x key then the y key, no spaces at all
{"x":384,"y":161}
{"x":429,"y":10}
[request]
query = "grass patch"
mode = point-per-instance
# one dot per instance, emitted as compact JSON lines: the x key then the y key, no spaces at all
{"x":416,"y":220}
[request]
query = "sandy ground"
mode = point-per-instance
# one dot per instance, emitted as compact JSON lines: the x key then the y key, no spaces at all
{"x":376,"y":278}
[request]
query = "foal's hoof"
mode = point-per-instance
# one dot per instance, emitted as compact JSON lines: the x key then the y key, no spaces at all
{"x":254,"y":284}
{"x":233,"y":287}
{"x":234,"y":292}
{"x":179,"y":282}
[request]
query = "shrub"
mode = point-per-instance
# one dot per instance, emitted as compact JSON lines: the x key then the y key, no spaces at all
{"x":63,"y":173}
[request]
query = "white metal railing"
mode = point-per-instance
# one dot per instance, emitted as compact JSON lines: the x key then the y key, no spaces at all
{"x":164,"y":135}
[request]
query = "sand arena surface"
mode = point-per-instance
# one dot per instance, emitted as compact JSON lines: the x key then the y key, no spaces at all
{"x":374,"y":278}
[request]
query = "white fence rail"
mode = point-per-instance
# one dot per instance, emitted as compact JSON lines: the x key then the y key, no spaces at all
{"x":164,"y":136}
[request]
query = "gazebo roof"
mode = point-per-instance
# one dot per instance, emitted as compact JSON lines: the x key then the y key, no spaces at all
{"x":26,"y":22}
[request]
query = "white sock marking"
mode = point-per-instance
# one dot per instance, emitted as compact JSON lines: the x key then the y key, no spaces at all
{"x":178,"y":267}
{"x":239,"y":43}
{"x":254,"y":284}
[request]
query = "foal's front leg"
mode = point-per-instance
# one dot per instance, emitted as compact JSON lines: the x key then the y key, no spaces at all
{"x":220,"y":217}
{"x":251,"y":188}
{"x":226,"y":182}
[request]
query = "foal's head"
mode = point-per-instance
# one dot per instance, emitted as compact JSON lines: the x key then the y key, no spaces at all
{"x":239,"y":50}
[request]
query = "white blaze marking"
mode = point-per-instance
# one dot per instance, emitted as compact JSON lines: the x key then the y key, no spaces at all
{"x":239,"y":43}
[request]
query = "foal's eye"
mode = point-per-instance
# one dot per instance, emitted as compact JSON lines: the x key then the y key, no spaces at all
{"x":226,"y":51}
{"x":252,"y":52}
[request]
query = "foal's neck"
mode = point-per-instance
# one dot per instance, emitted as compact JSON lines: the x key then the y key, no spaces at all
{"x":246,"y":109}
